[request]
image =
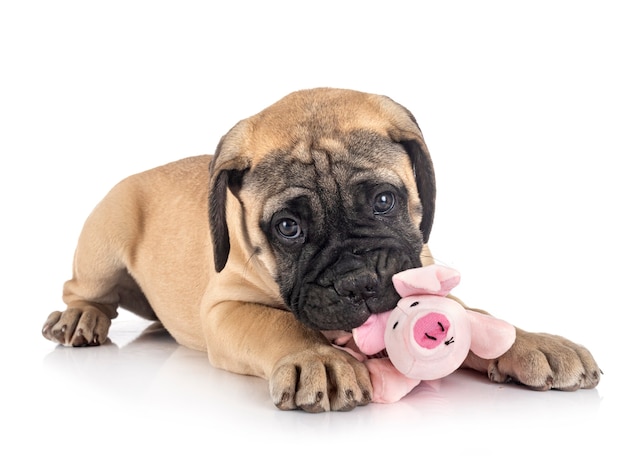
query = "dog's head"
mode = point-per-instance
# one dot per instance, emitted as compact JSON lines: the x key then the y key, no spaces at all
{"x":337,"y":194}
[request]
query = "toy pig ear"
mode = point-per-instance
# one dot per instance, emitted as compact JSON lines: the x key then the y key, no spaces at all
{"x":491,"y":337}
{"x":431,"y":280}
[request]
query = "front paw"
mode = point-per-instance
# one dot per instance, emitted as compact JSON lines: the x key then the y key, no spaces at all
{"x":77,"y":327}
{"x":544,"y":361}
{"x":320,"y":379}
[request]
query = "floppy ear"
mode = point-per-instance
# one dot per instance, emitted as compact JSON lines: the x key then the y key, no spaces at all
{"x":225,"y":173}
{"x":407,"y":133}
{"x":427,"y":280}
{"x":424,"y":173}
{"x":491,"y":337}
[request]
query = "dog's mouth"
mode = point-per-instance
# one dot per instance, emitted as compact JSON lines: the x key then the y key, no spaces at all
{"x":344,"y":295}
{"x":339,"y":315}
{"x":326,"y":310}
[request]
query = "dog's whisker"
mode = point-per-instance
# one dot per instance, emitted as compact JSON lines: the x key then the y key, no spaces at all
{"x":248,"y":264}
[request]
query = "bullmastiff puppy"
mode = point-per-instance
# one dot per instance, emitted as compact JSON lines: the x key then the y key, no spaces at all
{"x":290,"y":232}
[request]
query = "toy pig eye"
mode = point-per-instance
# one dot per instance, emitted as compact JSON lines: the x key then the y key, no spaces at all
{"x":395,"y":324}
{"x":414,"y":304}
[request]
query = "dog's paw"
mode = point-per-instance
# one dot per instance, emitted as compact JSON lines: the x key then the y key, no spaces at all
{"x":544,"y":361}
{"x":77,"y":327}
{"x":320,"y":379}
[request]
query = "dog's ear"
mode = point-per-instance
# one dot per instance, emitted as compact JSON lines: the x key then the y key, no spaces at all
{"x":226,"y":171}
{"x":424,"y":173}
{"x":405,"y":131}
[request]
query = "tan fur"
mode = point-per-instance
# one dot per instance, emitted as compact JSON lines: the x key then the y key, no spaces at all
{"x":150,"y":236}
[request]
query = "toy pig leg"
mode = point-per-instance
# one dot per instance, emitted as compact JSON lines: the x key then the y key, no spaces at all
{"x":388,"y":383}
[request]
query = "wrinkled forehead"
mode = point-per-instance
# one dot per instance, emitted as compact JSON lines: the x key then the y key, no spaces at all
{"x":330,"y":165}
{"x":319,"y":116}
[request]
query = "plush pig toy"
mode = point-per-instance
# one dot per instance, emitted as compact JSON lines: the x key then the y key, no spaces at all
{"x":427,"y":336}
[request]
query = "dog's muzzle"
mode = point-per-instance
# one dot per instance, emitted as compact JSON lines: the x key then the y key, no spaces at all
{"x":345,"y":293}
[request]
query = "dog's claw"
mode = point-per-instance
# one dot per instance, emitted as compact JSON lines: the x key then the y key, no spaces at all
{"x":543,"y":362}
{"x":320,"y":379}
{"x":77,"y":327}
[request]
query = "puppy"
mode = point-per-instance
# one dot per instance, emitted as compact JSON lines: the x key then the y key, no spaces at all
{"x":292,"y":229}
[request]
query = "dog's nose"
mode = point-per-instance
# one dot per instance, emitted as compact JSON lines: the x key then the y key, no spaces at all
{"x":359,"y":286}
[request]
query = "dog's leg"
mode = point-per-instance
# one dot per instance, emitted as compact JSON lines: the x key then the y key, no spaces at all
{"x":100,"y":281}
{"x":91,"y":305}
{"x":542,"y":362}
{"x":304,"y":370}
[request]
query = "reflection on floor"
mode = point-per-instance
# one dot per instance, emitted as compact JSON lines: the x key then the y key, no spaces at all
{"x":142,"y":382}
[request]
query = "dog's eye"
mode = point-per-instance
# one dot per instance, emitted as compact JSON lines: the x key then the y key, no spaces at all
{"x":288,"y":228}
{"x":384,"y":202}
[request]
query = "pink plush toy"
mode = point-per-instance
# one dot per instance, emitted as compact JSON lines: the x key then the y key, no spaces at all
{"x":427,"y":336}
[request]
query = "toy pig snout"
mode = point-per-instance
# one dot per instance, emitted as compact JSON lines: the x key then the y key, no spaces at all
{"x":431,"y":330}
{"x":427,"y":337}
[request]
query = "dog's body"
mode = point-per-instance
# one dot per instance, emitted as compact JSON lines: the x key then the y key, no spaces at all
{"x":293,"y":228}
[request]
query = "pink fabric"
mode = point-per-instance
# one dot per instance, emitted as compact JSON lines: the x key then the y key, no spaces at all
{"x":429,"y":280}
{"x":491,"y":337}
{"x":430,"y":331}
{"x":389,"y":386}
{"x":413,"y":333}
{"x":370,"y":336}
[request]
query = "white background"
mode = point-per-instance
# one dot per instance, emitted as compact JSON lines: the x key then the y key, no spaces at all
{"x":522,"y":105}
